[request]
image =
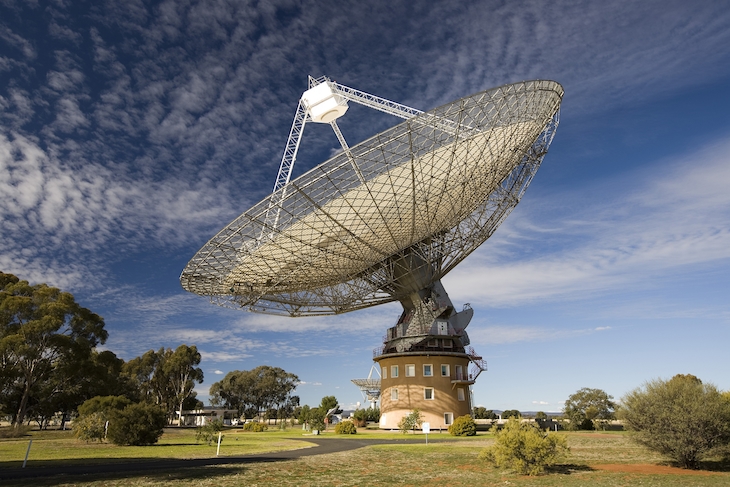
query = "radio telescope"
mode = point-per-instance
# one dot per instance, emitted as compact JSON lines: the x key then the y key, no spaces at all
{"x":384,"y":221}
{"x":370,"y":387}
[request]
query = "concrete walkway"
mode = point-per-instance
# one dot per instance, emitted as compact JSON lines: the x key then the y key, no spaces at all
{"x":324,"y":446}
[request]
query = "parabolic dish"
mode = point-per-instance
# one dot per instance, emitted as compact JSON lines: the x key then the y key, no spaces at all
{"x":415,"y":199}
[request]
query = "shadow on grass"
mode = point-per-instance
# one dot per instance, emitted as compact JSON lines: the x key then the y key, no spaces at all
{"x":568,"y":468}
{"x":179,"y":474}
{"x":61,"y":472}
{"x":716,"y":465}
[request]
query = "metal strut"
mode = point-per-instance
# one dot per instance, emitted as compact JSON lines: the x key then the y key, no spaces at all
{"x":273,"y":212}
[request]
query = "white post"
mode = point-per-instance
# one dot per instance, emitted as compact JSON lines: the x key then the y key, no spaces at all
{"x":218,"y":450}
{"x":27,"y":452}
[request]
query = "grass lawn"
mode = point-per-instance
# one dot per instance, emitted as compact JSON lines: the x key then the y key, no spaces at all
{"x":596,"y":459}
{"x":51,"y":446}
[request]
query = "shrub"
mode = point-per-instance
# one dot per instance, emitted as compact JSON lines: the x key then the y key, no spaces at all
{"x":463,"y":426}
{"x":91,"y":427}
{"x":137,"y":424}
{"x":524,"y":448}
{"x":209,"y":432}
{"x":410,"y":421}
{"x":360,"y":417}
{"x":345,"y":428}
{"x":94,"y":414}
{"x":255,"y":427}
{"x":681,"y":418}
{"x":373,"y":414}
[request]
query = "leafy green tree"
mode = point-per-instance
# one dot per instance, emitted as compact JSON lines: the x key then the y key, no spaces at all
{"x":137,"y":424}
{"x":304,"y":413}
{"x":588,"y":408}
{"x":44,"y":334}
{"x":316,"y":419}
{"x":166,"y":377}
{"x":681,"y":418}
{"x":463,"y":426}
{"x":524,"y":448}
{"x":410,"y":421}
{"x":511,"y":413}
{"x":541,"y":416}
{"x":254,"y":390}
{"x":328,"y":402}
{"x":483,"y":413}
{"x":182,"y":374}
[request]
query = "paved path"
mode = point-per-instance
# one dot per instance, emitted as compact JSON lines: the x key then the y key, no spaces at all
{"x":324,"y":446}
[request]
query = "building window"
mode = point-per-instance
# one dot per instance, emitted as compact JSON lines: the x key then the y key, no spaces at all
{"x":393,"y":371}
{"x":384,"y":371}
{"x":410,"y":370}
{"x":448,"y":418}
{"x":394,"y":394}
{"x":433,"y":343}
{"x":428,"y":393}
{"x":448,"y":344}
{"x":427,"y":370}
{"x":459,"y":372}
{"x":460,"y":394}
{"x":445,"y":370}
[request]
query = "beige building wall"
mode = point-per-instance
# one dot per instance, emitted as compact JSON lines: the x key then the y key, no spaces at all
{"x":438,"y":398}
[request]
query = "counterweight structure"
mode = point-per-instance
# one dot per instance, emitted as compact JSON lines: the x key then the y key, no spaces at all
{"x":384,"y":221}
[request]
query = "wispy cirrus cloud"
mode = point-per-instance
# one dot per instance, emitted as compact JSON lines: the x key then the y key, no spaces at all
{"x":678,"y":219}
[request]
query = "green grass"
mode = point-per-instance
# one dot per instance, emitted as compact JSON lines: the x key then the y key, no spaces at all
{"x":51,"y":446}
{"x":600,"y":460}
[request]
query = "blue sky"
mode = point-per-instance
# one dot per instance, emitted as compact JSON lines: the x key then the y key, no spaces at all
{"x":131,"y":132}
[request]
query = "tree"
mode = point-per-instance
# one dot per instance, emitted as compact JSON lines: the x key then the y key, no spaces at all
{"x":181,"y":373}
{"x":328,"y":402}
{"x":44,"y":334}
{"x":511,"y":413}
{"x":166,"y":377}
{"x":304,"y":413}
{"x":316,"y":419}
{"x":524,"y":448}
{"x":483,"y":413}
{"x":410,"y":421}
{"x":681,"y":418}
{"x":254,"y":390}
{"x":588,"y":408}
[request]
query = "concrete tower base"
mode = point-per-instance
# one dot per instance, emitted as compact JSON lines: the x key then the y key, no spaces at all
{"x":437,"y":384}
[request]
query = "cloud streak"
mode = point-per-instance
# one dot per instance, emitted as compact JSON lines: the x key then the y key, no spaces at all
{"x":624,"y":241}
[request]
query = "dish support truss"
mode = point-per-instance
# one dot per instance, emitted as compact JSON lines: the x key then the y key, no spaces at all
{"x":487,"y":147}
{"x":339,"y":94}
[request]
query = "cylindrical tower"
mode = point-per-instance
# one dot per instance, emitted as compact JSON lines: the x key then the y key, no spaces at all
{"x":434,"y":381}
{"x":425,"y":360}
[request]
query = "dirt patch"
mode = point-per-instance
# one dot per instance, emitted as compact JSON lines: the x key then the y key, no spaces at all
{"x":644,"y":468}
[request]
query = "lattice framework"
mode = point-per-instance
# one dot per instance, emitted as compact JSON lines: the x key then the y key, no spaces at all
{"x":415,"y":199}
